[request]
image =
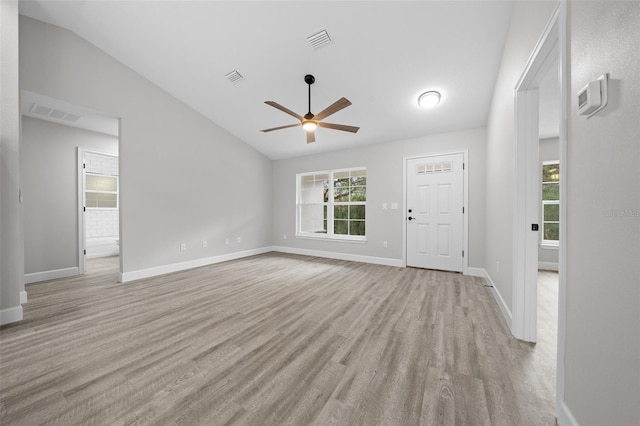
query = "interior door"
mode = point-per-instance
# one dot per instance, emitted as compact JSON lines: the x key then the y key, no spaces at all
{"x":435,"y":201}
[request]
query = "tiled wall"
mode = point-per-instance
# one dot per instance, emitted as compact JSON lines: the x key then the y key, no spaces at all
{"x":101,"y":222}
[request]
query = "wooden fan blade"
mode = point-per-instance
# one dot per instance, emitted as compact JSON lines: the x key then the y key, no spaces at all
{"x":343,"y":127}
{"x":311,"y":136}
{"x":333,"y":108}
{"x":281,"y":127}
{"x":284,"y":109}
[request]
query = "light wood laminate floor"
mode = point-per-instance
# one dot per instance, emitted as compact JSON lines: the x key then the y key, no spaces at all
{"x":270,"y":339}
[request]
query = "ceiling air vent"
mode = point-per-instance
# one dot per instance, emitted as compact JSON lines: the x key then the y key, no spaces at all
{"x":234,"y":76}
{"x":71,"y":117}
{"x":39,"y":109}
{"x":54,"y":113}
{"x":319,"y":39}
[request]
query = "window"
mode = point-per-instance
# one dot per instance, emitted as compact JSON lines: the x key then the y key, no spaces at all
{"x":332,"y":204}
{"x":550,"y":202}
{"x":101,"y":191}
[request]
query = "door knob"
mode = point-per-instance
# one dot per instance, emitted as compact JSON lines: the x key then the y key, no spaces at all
{"x":411,"y":218}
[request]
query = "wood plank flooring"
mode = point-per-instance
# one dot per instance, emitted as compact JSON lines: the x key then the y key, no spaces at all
{"x":270,"y":339}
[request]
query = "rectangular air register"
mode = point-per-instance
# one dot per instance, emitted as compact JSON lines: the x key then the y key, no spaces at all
{"x":54,"y":113}
{"x":440,"y":167}
{"x":234,"y":76}
{"x":319,"y":39}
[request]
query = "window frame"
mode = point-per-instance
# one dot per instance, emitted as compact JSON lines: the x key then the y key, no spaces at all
{"x":93,"y":191}
{"x":329,"y":205}
{"x":544,"y":242}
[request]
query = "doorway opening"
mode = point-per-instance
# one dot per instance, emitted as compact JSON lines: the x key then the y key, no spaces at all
{"x":99,"y":206}
{"x":529,"y":215}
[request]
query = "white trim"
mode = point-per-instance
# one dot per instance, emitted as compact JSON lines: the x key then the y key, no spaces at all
{"x":10,"y":315}
{"x":196,"y":263}
{"x":562,"y":411}
{"x":476,"y":272}
{"x":526,"y":174}
{"x":340,"y":239}
{"x":81,"y":217}
{"x":506,"y":312}
{"x":465,"y":191}
{"x":341,"y":256}
{"x":23,"y":297}
{"x":548,"y":266}
{"x":51,"y":275}
{"x":550,"y":246}
{"x":565,"y":416}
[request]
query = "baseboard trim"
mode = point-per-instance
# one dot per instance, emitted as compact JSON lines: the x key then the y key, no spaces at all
{"x":196,"y":263}
{"x":50,"y":275}
{"x":476,"y":272}
{"x":506,"y":312}
{"x":10,"y":315}
{"x":340,"y":256}
{"x":565,"y":416}
{"x":548,"y":266}
{"x":23,"y":297}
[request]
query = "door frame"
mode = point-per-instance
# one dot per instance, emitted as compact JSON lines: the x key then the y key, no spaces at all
{"x":526,"y":206}
{"x":82,"y":227}
{"x":465,"y":201}
{"x":524,"y":305}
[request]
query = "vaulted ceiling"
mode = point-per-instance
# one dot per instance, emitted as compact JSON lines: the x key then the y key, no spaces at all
{"x":382,"y":56}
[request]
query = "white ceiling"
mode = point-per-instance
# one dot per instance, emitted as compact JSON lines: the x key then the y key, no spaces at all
{"x":382,"y":56}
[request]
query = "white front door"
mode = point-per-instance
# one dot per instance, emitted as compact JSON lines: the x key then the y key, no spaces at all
{"x":434,"y":215}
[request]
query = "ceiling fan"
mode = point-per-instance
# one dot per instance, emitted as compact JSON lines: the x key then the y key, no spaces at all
{"x":312,"y":121}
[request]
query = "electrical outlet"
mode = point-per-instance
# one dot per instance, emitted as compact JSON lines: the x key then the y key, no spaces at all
{"x":183,"y":247}
{"x":226,"y":241}
{"x":394,"y":206}
{"x":385,"y":244}
{"x":284,"y":237}
{"x":204,"y":244}
{"x":239,"y":240}
{"x":497,"y":266}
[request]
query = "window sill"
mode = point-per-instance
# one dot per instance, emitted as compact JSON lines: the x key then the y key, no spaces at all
{"x":360,"y":240}
{"x":549,"y":246}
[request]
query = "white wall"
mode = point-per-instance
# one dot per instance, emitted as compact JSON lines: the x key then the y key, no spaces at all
{"x":527,"y":24}
{"x":384,"y":163}
{"x":602,"y":352}
{"x":201,"y":182}
{"x":11,"y":238}
{"x":549,"y":150}
{"x":49,"y":173}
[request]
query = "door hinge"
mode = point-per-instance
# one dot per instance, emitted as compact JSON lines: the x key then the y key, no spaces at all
{"x":85,"y":251}
{"x":463,"y":209}
{"x":84,"y":166}
{"x":462,"y":166}
{"x":462,"y":253}
{"x":84,"y":209}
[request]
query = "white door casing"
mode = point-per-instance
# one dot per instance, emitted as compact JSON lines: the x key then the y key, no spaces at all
{"x":434,"y":215}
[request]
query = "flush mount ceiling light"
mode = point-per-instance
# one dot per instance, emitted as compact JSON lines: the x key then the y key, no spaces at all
{"x":429,"y":99}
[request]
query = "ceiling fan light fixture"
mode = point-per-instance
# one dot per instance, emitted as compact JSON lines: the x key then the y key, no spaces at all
{"x":429,"y":99}
{"x":309,"y":125}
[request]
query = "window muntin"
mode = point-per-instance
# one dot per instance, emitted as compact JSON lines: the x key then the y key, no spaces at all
{"x":332,"y":204}
{"x":550,"y":202}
